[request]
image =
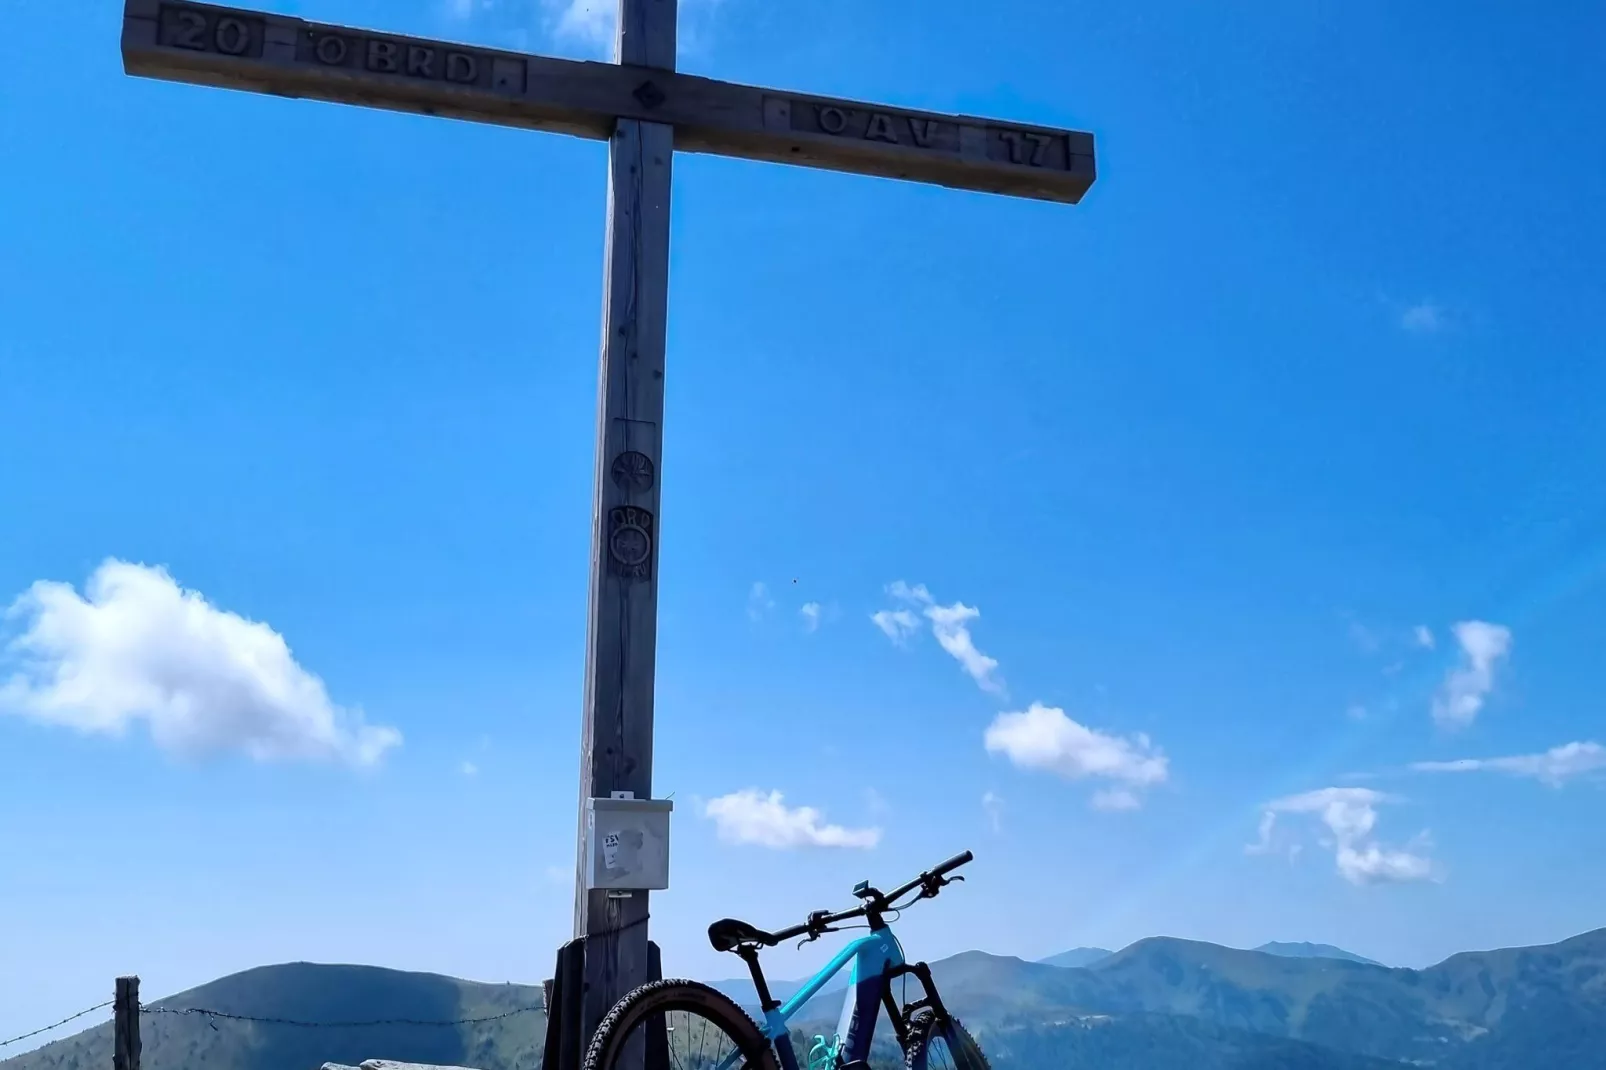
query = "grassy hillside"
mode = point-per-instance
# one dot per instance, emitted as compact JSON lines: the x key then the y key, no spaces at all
{"x":1549,"y":999}
{"x":1348,"y":1005}
{"x":1468,"y":1002}
{"x":1158,"y":1042}
{"x":172,"y":1040}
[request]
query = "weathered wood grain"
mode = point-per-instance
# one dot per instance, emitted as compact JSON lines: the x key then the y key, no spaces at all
{"x":622,"y":638}
{"x":241,"y":49}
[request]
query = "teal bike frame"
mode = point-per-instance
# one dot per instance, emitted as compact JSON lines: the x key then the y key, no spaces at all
{"x":872,"y":962}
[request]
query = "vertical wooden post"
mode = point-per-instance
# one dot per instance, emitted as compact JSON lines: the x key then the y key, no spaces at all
{"x":616,"y":739}
{"x":125,"y":1024}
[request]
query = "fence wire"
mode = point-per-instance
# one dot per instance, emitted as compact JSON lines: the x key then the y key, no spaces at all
{"x":57,"y":1025}
{"x":209,"y":1013}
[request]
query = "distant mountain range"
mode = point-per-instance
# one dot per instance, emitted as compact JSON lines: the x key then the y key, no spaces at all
{"x":1087,"y":956}
{"x":1159,"y":1004}
{"x":741,"y":989}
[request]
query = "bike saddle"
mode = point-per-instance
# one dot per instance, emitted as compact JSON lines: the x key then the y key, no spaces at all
{"x":727,"y":934}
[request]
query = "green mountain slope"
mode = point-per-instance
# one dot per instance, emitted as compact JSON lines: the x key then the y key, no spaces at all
{"x":1159,"y":1042}
{"x":1549,"y":999}
{"x":1346,"y":1005}
{"x":1467,"y":1003}
{"x":172,"y":1040}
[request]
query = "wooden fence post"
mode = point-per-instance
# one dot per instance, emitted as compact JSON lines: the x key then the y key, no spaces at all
{"x":125,"y":1022}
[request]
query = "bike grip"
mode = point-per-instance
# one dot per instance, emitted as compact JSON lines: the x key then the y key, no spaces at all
{"x":787,"y":934}
{"x":953,"y":863}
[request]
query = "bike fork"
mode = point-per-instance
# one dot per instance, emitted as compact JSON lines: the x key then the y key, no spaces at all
{"x":931,"y":999}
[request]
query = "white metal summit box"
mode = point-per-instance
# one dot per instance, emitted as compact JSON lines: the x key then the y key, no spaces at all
{"x":627,"y":841}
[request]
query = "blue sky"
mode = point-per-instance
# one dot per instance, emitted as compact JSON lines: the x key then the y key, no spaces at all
{"x":1219,"y":558}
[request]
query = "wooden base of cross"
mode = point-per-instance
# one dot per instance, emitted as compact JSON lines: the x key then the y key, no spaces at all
{"x":566,"y":1035}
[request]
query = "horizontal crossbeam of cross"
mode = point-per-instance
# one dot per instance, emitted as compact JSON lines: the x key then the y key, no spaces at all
{"x":208,"y":45}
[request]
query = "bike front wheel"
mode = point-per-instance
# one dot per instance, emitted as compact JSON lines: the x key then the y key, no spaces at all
{"x":941,"y":1044}
{"x":681,"y":1025}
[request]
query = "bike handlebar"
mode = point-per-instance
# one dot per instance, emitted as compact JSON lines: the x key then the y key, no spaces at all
{"x":932,"y":877}
{"x":929,"y":883}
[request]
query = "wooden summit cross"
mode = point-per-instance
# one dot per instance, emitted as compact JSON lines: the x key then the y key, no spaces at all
{"x":645,"y":111}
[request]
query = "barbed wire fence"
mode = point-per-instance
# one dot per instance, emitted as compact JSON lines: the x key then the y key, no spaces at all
{"x":127,"y":1011}
{"x":54,"y":1025}
{"x":205,"y":1013}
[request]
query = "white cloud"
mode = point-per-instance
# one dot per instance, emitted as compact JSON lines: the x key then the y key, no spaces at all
{"x":1044,"y":738}
{"x":810,"y":612}
{"x":1424,"y":636}
{"x":903,"y":592}
{"x":1350,"y":815}
{"x":1262,"y":844}
{"x":469,"y":769}
{"x":1461,"y":696}
{"x":764,"y":820}
{"x":1554,"y":767}
{"x":1371,"y":863}
{"x":993,"y":807}
{"x":950,"y":626}
{"x":759,"y":601}
{"x":1424,"y":317}
{"x":138,"y":648}
{"x":898,"y":624}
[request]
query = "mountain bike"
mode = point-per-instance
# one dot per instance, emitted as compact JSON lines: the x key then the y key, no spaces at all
{"x":706,"y":1030}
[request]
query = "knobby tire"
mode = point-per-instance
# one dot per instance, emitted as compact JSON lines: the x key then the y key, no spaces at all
{"x":664,"y":997}
{"x":924,"y":1025}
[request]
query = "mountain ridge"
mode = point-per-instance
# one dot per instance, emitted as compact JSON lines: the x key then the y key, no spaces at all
{"x":741,"y":988}
{"x":1306,"y":950}
{"x":1077,"y":956}
{"x":1160,"y":1003}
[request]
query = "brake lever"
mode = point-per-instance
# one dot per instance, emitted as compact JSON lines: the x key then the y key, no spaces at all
{"x":932,"y":885}
{"x":813,"y":936}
